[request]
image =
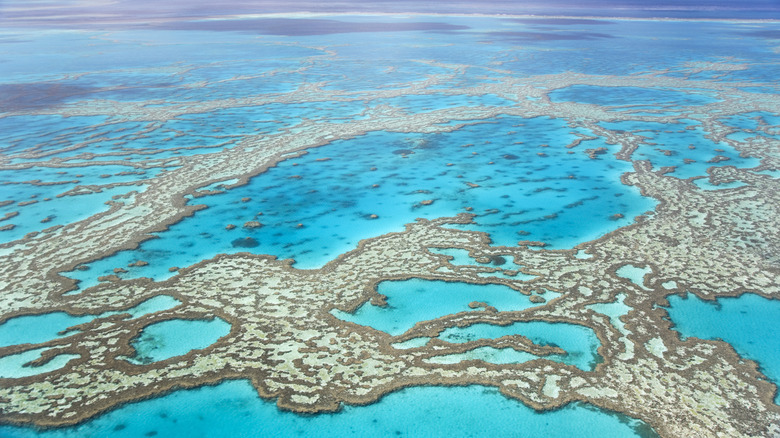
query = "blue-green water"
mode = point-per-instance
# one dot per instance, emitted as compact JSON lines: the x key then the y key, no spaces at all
{"x":750,"y":323}
{"x":632,"y":98}
{"x":682,"y":146}
{"x":175,"y":337}
{"x":580,"y":343}
{"x":560,"y":198}
{"x":35,"y":329}
{"x":16,"y":365}
{"x":233,"y":409}
{"x":416,"y":300}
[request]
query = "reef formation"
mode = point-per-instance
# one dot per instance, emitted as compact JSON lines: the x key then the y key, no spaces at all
{"x":284,"y":336}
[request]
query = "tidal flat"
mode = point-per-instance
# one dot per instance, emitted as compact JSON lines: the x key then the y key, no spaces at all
{"x":358,"y":224}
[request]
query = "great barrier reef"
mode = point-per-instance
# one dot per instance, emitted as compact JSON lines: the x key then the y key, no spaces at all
{"x":390,"y":218}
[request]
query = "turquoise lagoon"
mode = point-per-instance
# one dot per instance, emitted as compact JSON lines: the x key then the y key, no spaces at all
{"x":750,"y":323}
{"x":580,"y":343}
{"x":560,"y":198}
{"x":682,"y":146}
{"x":415,"y":300}
{"x":35,"y":329}
{"x":632,"y":98}
{"x":233,"y":409}
{"x":175,"y":337}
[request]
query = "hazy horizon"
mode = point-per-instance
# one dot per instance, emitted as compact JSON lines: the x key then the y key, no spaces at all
{"x":96,"y":13}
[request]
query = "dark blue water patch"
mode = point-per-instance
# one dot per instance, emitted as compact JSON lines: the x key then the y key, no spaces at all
{"x":750,"y":323}
{"x":318,"y":206}
{"x":770,"y":34}
{"x":560,"y":21}
{"x":760,"y":90}
{"x":550,"y":35}
{"x":682,"y":145}
{"x":661,"y":43}
{"x":38,"y":95}
{"x":632,"y":96}
{"x":234,"y":409}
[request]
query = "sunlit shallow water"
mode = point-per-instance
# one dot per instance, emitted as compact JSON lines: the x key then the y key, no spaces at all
{"x":233,"y":409}
{"x":750,"y":323}
{"x":514,"y":174}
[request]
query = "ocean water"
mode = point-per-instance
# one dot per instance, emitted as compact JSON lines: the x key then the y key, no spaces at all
{"x":750,"y":323}
{"x":233,"y":409}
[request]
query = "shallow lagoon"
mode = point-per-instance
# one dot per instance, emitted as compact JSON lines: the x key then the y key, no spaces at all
{"x":580,"y":343}
{"x":416,"y":300}
{"x":34,"y":329}
{"x":233,"y":409}
{"x":750,"y":323}
{"x":175,"y":337}
{"x":682,"y":146}
{"x":632,"y":98}
{"x":516,"y":175}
